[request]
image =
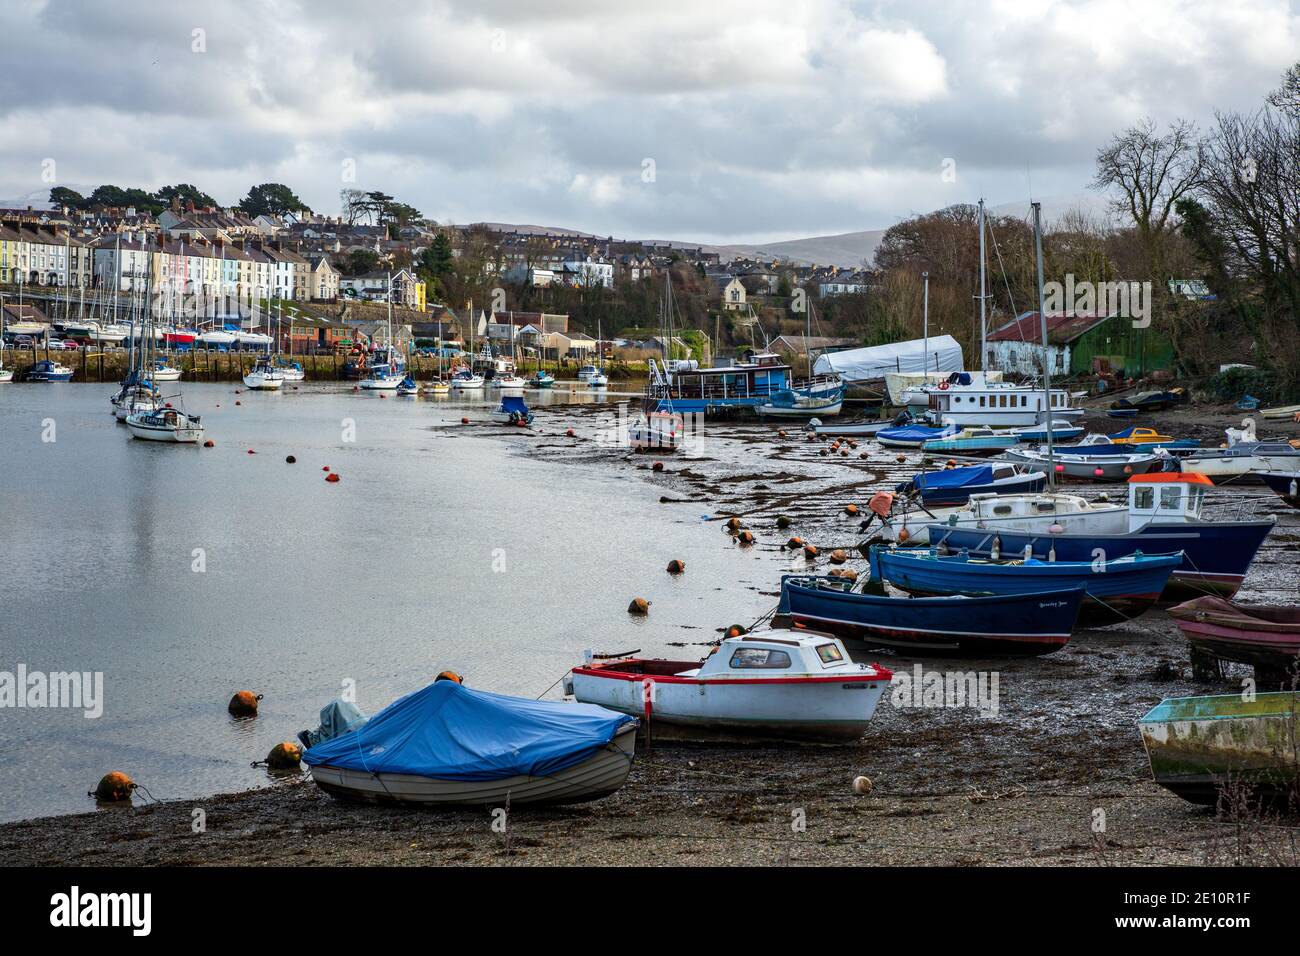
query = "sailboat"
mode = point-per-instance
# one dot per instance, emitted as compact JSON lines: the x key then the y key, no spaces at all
{"x":153,"y":419}
{"x":597,"y":378}
{"x":292,"y":370}
{"x":6,"y":374}
{"x":465,"y":378}
{"x":385,"y":374}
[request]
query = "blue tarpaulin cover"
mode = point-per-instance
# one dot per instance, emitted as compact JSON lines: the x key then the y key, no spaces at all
{"x":954,"y":477}
{"x":451,"y":732}
{"x":916,"y":432}
{"x":513,"y":403}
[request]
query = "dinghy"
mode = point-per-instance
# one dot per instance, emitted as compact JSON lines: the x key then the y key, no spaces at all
{"x":1115,"y":591}
{"x":791,"y":403}
{"x":1002,"y":624}
{"x":972,"y":441}
{"x":1266,"y":636}
{"x":1199,"y":745}
{"x":772,"y":683}
{"x":660,"y":431}
{"x":1280,"y":413}
{"x":448,"y":745}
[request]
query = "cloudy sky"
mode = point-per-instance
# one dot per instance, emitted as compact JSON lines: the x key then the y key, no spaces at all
{"x":711,"y":120}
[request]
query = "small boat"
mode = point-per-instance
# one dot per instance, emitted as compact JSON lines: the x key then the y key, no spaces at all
{"x":1023,"y":511}
{"x":1244,"y":457}
{"x":1163,"y":516}
{"x":511,"y":411}
{"x":771,"y":683}
{"x":1002,"y":624}
{"x":6,"y":375}
{"x":1091,"y":467}
{"x":1152,"y":401}
{"x":293,"y":371}
{"x":598,"y":379}
{"x":408,"y":386}
{"x":1123,"y":413}
{"x":1281,"y":412}
{"x":1284,"y":484}
{"x":1097,"y":444}
{"x":849,"y":429}
{"x":791,"y":403}
{"x":660,"y":431}
{"x":448,"y":745}
{"x":954,"y":486}
{"x":541,"y":379}
{"x":49,"y":371}
{"x":165,"y":424}
{"x":265,"y":377}
{"x":439,"y":387}
{"x":162,"y":372}
{"x":1197,"y":746}
{"x":1115,"y":591}
{"x":1143,"y":436}
{"x":913,"y":436}
{"x":1062,"y":430}
{"x":466,"y":380}
{"x":586,"y":372}
{"x":1266,"y":636}
{"x":509,"y":381}
{"x":970,"y":440}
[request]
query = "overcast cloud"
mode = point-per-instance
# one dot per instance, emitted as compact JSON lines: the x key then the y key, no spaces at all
{"x":764,"y":119}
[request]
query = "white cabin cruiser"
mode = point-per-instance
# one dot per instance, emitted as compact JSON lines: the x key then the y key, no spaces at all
{"x":1243,"y":456}
{"x":264,"y":377}
{"x":1037,"y":512}
{"x":771,"y":683}
{"x":995,"y":404}
{"x":165,"y":424}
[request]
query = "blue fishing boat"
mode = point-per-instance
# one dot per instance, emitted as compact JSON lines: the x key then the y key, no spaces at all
{"x":1061,"y":431}
{"x":954,"y":486}
{"x":913,"y":436}
{"x":47,"y":371}
{"x":1002,"y":624}
{"x":1117,"y":590}
{"x":450,"y":745}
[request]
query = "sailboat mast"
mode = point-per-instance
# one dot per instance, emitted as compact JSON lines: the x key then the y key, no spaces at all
{"x":1042,"y":318}
{"x":925,"y":326}
{"x":984,"y":349}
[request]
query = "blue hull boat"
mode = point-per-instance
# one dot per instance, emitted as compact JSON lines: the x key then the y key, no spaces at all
{"x":954,"y":486}
{"x":913,"y":436}
{"x":1116,"y":591}
{"x":1216,"y":556}
{"x":1038,"y":433}
{"x":1004,"y":624}
{"x":46,"y":371}
{"x":1283,"y":484}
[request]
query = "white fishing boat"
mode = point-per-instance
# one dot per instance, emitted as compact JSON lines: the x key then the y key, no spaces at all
{"x":465,"y":380}
{"x":264,"y":377}
{"x":586,"y":372}
{"x":165,"y":424}
{"x":776,"y":684}
{"x":1032,"y":511}
{"x":408,"y":386}
{"x":510,"y":381}
{"x":660,"y":431}
{"x":439,"y":387}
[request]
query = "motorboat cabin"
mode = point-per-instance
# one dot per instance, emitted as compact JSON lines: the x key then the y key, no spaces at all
{"x":994,"y":404}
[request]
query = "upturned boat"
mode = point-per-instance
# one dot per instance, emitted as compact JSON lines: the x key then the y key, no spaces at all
{"x":777,"y":684}
{"x":448,"y":745}
{"x":1163,"y":516}
{"x":1115,"y":591}
{"x":1036,"y":623}
{"x":1198,"y":746}
{"x":1263,"y":635}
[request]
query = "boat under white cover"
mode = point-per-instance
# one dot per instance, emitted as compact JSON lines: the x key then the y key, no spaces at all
{"x":1037,"y":512}
{"x":773,"y":683}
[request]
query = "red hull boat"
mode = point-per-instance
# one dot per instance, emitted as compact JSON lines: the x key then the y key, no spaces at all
{"x":1263,"y":635}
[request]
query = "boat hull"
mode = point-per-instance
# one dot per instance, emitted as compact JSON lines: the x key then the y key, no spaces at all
{"x":1216,"y":556}
{"x":1199,"y":745}
{"x":1228,"y":632}
{"x":943,"y":497}
{"x":598,"y":776}
{"x":1285,"y":485}
{"x":1115,"y":591}
{"x":1006,"y":624}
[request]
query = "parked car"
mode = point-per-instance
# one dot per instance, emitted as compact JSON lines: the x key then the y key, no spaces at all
{"x":23,"y":341}
{"x":71,"y":345}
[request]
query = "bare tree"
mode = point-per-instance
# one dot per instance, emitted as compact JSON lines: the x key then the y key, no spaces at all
{"x":1287,"y":96}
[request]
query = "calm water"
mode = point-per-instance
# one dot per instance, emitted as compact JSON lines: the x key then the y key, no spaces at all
{"x":384,"y":578}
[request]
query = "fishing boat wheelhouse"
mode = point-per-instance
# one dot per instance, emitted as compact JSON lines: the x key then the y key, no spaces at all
{"x":723,"y":388}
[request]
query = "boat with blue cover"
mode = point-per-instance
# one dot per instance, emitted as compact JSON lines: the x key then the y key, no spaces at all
{"x":1116,"y":590}
{"x":1163,"y":516}
{"x":448,"y":745}
{"x":512,"y":411}
{"x":1062,"y":430}
{"x":1198,"y":746}
{"x":1001,"y":624}
{"x":954,"y":486}
{"x":913,"y":436}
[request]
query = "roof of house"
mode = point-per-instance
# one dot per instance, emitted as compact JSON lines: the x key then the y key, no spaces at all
{"x":1062,"y":327}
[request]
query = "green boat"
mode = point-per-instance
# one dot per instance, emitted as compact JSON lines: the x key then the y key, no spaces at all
{"x":1197,"y":745}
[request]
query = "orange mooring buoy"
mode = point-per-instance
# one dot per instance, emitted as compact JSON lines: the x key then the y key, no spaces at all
{"x":794,"y":543}
{"x":810,"y":551}
{"x":676,"y":567}
{"x":284,"y":756}
{"x":114,"y":787}
{"x":839,"y":556}
{"x":639,"y":606}
{"x":332,"y":476}
{"x":244,"y":703}
{"x":464,"y":421}
{"x":746,"y":537}
{"x":569,"y":433}
{"x":209,"y":444}
{"x":850,"y":510}
{"x":449,"y":675}
{"x":736,"y":630}
{"x":657,"y":466}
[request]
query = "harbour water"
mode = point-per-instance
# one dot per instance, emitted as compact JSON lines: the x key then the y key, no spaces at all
{"x":186,"y":573}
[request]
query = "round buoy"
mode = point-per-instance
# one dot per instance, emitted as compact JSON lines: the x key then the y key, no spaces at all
{"x":449,"y":675}
{"x":332,"y":476}
{"x":904,"y":535}
{"x":810,"y":551}
{"x":676,"y":567}
{"x":284,"y":756}
{"x":325,"y":468}
{"x":733,"y":523}
{"x":863,"y":785}
{"x":251,"y":452}
{"x":114,"y":787}
{"x":209,"y":444}
{"x":901,"y":458}
{"x":1060,"y":468}
{"x":464,"y":421}
{"x":237,"y":402}
{"x":839,"y":556}
{"x":780,"y":433}
{"x":1098,"y":472}
{"x":244,"y":703}
{"x":520,"y":423}
{"x":382,"y":395}
{"x":822,"y":452}
{"x":846,"y":574}
{"x":657,"y":466}
{"x":639,"y":606}
{"x":850,"y":510}
{"x":794,"y":543}
{"x":1055,"y":529}
{"x":1128,"y":469}
{"x":844,"y":453}
{"x":290,"y":459}
{"x":746,"y":537}
{"x":782,"y":521}
{"x":569,"y":433}
{"x":736,"y":630}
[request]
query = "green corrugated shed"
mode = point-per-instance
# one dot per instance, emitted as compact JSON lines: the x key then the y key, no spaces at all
{"x":1137,"y":351}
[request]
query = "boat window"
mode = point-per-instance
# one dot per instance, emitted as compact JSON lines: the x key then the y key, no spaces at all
{"x":1194,"y":497}
{"x":981,"y":401}
{"x":1046,"y":506}
{"x":1171,"y":498}
{"x":829,"y":653}
{"x":1144,"y":498}
{"x":759,"y":657}
{"x":1002,"y":509}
